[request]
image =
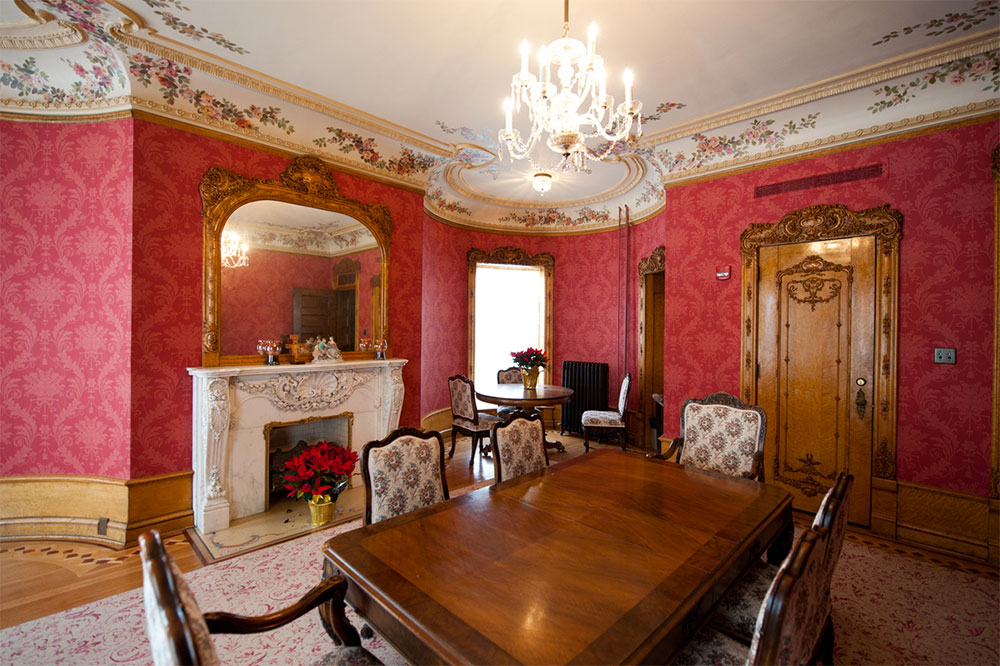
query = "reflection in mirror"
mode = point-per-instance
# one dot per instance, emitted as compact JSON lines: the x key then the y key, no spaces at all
{"x":309,"y":271}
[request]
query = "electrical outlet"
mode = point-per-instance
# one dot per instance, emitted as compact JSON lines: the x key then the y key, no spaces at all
{"x":944,"y":355}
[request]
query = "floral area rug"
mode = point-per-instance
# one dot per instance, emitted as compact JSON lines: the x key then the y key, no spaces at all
{"x":889,"y":608}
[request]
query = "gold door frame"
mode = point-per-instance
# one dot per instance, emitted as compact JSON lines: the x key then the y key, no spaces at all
{"x":518,"y":257}
{"x":655,"y":263}
{"x":817,"y":223}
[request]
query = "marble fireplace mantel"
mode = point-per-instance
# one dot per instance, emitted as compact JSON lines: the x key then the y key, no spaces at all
{"x":233,"y":404}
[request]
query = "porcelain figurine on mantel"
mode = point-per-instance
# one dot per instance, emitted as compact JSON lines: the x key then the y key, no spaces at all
{"x":325,"y":351}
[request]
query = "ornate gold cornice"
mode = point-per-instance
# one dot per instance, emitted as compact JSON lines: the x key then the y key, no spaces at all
{"x":654,"y":263}
{"x":40,"y":106}
{"x":81,"y":118}
{"x":46,"y":32}
{"x":513,"y":256}
{"x":963,"y":47}
{"x":823,"y":223}
{"x":127,"y":33}
{"x":921,"y":121}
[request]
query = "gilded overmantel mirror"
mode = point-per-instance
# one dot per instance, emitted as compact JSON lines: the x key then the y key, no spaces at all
{"x":291,"y":256}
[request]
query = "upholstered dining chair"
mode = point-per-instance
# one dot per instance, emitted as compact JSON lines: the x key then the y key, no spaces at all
{"x":790,"y":622}
{"x":597,"y":422}
{"x":518,"y":445}
{"x":465,"y":418}
{"x":511,"y":375}
{"x":720,"y":433}
{"x":737,"y":612}
{"x":403,"y":472}
{"x":180,"y":634}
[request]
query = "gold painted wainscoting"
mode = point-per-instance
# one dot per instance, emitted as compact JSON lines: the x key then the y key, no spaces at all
{"x":94,"y":508}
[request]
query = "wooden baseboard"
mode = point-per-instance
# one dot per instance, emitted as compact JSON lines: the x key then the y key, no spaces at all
{"x":94,"y":508}
{"x":943,"y":520}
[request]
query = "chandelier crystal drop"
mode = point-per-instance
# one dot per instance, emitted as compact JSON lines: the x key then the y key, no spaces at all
{"x":234,"y":253}
{"x":578,"y":117}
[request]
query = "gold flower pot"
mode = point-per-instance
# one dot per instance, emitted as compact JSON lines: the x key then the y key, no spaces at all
{"x":322,"y":512}
{"x":529,"y":376}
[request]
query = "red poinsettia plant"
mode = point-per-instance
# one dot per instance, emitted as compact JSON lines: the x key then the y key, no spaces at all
{"x":321,"y":471}
{"x":529,"y":358}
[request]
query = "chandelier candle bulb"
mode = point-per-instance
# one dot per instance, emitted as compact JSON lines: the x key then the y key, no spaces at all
{"x":543,"y":65}
{"x":591,"y":39}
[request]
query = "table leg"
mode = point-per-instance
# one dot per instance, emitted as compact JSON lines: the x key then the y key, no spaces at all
{"x":334,"y":617}
{"x":549,"y":444}
{"x":779,"y":550}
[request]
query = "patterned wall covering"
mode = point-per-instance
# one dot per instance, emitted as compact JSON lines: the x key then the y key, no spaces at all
{"x":65,"y":271}
{"x":941,"y":184}
{"x":257,"y":300}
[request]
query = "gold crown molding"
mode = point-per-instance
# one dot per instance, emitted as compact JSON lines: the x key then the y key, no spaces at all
{"x":49,"y":34}
{"x":521,"y":231}
{"x":964,"y":47}
{"x":88,"y":118}
{"x":254,"y":136}
{"x":40,"y":107}
{"x":636,"y":167}
{"x":927,"y":120}
{"x":125,"y":32}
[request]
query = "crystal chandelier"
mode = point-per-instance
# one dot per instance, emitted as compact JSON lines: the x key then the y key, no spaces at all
{"x":234,"y":253}
{"x":577,"y":111}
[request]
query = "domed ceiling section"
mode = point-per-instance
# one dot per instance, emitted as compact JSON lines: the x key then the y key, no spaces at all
{"x":411,"y":94}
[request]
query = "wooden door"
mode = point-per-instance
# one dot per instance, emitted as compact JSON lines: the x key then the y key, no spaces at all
{"x":345,"y":317}
{"x":816,"y":364}
{"x":312,"y":312}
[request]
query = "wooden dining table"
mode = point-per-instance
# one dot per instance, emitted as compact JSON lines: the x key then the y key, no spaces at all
{"x":606,"y":558}
{"x":515,"y":395}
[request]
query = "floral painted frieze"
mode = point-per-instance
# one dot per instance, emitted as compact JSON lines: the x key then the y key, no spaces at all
{"x":759,"y":133}
{"x":983,"y":67}
{"x":437,"y":197}
{"x":308,"y":241}
{"x":408,"y":163}
{"x":553,"y":217}
{"x":950,"y":22}
{"x":175,"y":83}
{"x":91,"y":84}
{"x":662,"y":109}
{"x":188,"y":30}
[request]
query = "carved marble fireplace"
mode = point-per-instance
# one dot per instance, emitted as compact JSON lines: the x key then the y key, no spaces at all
{"x":233,"y":404}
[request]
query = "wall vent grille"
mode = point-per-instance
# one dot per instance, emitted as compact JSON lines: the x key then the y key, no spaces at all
{"x":822,"y":180}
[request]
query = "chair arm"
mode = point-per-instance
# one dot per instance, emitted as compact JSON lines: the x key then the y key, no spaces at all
{"x":230,"y":623}
{"x":676,"y":444}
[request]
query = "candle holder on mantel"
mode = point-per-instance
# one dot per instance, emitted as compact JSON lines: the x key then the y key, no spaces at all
{"x":380,"y":347}
{"x":271,"y":349}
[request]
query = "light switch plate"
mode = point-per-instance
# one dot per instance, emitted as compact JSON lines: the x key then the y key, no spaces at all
{"x":944,"y":355}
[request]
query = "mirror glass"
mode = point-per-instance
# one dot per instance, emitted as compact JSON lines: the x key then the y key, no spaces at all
{"x":309,"y":271}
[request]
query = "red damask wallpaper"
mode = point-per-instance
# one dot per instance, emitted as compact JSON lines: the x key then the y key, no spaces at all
{"x":941,"y":183}
{"x":65,"y":316}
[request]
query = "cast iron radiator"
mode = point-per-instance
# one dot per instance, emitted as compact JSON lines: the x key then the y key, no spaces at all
{"x":589,"y":382}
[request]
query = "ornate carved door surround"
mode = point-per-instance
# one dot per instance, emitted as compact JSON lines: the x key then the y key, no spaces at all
{"x":812,"y":281}
{"x":654,"y":263}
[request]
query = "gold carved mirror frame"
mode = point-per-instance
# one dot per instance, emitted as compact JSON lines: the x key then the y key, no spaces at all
{"x":655,"y":263}
{"x":307,"y":182}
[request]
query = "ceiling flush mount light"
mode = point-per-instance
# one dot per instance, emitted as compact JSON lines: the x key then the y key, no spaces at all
{"x":576,"y":111}
{"x":542,"y":181}
{"x":234,"y":253}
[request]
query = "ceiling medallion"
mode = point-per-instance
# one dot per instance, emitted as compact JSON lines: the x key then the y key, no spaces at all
{"x":559,"y":112}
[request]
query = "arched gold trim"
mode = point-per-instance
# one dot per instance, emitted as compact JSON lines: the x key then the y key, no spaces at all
{"x":307,"y":182}
{"x":816,"y":223}
{"x":518,"y":257}
{"x":654,"y":263}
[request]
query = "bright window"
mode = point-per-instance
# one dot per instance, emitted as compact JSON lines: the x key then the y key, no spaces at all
{"x":510,"y":316}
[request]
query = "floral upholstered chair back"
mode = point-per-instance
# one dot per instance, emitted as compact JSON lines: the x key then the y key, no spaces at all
{"x":722,"y":434}
{"x":518,"y":446}
{"x":463,"y":398}
{"x":832,"y":516}
{"x":403,"y":472}
{"x":509,"y":376}
{"x":793,"y":614}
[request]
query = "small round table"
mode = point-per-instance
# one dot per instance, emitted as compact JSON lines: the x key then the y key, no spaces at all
{"x":515,"y":395}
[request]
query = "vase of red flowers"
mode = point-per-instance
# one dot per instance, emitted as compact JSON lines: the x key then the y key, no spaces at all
{"x":320,"y":473}
{"x":530,"y":361}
